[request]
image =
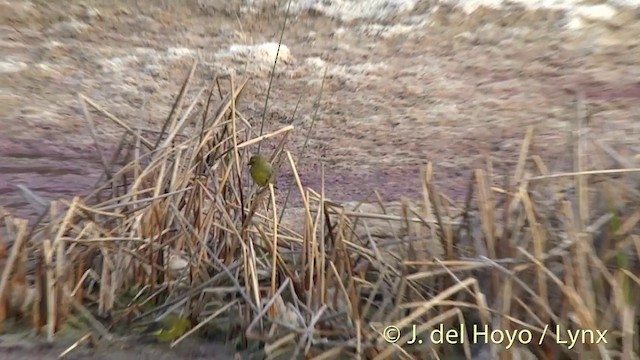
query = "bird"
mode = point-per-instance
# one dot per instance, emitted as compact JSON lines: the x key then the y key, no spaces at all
{"x":261,"y":171}
{"x":167,"y":329}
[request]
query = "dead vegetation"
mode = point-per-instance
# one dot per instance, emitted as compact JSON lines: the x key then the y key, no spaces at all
{"x":179,"y":228}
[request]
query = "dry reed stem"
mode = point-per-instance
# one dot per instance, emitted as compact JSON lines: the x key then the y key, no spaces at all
{"x":33,"y":199}
{"x":50,"y":289}
{"x":13,"y":257}
{"x":116,"y":120}
{"x":75,"y":345}
{"x":585,"y":172}
{"x":524,"y":152}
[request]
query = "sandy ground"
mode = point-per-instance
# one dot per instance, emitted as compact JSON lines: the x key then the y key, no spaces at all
{"x":430,"y":84}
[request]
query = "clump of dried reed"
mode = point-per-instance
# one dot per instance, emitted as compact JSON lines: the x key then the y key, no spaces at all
{"x":179,"y":228}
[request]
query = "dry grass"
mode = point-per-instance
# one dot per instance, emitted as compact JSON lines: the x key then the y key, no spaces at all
{"x":179,"y":228}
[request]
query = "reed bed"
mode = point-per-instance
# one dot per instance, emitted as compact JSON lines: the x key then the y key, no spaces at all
{"x":180,"y":228}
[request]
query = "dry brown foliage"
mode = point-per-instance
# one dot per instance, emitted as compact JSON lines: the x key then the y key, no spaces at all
{"x":179,"y":227}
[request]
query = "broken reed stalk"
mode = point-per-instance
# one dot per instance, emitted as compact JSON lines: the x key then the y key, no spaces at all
{"x":13,"y":256}
{"x":50,"y":289}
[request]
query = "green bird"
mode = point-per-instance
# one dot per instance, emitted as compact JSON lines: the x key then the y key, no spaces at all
{"x":261,"y":171}
{"x":167,"y":329}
